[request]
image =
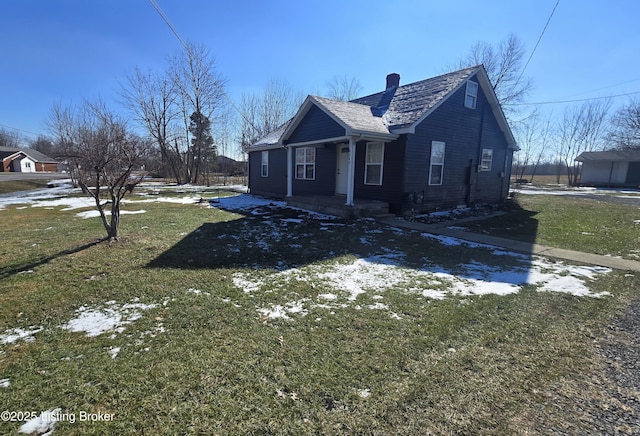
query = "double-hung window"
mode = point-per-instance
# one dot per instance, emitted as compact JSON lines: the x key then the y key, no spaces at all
{"x":264,"y":171}
{"x":487,"y":158}
{"x":436,"y":165}
{"x":373,"y":163}
{"x":471,"y":95}
{"x":306,"y":163}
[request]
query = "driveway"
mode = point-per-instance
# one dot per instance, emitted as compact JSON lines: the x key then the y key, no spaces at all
{"x":11,"y":176}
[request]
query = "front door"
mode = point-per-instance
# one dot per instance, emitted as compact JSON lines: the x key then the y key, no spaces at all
{"x":342,"y":169}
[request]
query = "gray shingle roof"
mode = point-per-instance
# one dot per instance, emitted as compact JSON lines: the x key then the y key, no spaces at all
{"x":356,"y":117}
{"x":408,"y":103}
{"x":613,"y":155}
{"x":272,"y":137}
{"x":382,"y":113}
{"x":35,"y":155}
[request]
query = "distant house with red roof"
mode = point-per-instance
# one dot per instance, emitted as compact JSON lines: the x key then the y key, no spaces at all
{"x":25,"y":160}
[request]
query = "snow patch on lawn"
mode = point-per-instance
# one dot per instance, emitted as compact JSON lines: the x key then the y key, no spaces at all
{"x":113,"y":352}
{"x":283,"y":311}
{"x":12,"y":335}
{"x":42,"y":424}
{"x":114,"y":317}
{"x":345,"y":283}
{"x":244,"y":202}
{"x":95,"y":213}
{"x":371,"y":273}
{"x":450,"y":241}
{"x":247,"y":202}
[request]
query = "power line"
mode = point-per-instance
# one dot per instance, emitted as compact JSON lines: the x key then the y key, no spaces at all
{"x":164,"y":17}
{"x":168,"y":23}
{"x":601,"y":88}
{"x":538,"y":42}
{"x":20,"y":130}
{"x":575,"y":101}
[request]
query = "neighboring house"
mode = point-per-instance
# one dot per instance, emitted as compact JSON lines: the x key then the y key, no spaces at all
{"x":610,"y":168}
{"x":26,"y":161}
{"x":441,"y":142}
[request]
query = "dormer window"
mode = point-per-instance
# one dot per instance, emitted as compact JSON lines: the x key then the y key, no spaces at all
{"x":471,"y":96}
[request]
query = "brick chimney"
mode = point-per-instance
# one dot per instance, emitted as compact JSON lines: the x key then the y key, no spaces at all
{"x":393,"y":79}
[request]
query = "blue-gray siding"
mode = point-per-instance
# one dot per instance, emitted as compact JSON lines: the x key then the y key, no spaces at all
{"x":315,"y":125}
{"x":392,"y":176}
{"x":406,"y":160}
{"x":465,"y":133}
{"x":275,"y":184}
{"x":325,"y":180}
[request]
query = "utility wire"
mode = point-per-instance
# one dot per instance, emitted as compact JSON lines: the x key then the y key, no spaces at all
{"x":601,"y":88}
{"x":164,"y":17}
{"x":20,"y":130}
{"x":538,"y":42}
{"x":574,"y":101}
{"x":168,"y":23}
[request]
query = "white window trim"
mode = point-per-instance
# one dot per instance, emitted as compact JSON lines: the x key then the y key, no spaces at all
{"x":264,"y":166}
{"x":484,"y":167}
{"x":473,"y":95}
{"x":366,"y":164}
{"x":431,"y":164}
{"x":305,"y":164}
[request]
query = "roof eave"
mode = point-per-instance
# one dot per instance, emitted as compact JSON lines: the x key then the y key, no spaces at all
{"x":364,"y":134}
{"x":262,"y":147}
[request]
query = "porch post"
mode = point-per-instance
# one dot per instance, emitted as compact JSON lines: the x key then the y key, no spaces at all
{"x":289,"y":172}
{"x":352,"y":166}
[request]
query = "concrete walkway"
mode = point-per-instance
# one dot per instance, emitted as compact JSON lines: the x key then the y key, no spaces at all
{"x":516,"y":246}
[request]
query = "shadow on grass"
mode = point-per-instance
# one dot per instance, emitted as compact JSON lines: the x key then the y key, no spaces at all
{"x":11,"y":270}
{"x":265,"y":237}
{"x":518,"y":224}
{"x":279,"y":238}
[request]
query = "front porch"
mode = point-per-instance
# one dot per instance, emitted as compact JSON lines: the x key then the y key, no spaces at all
{"x":336,"y":205}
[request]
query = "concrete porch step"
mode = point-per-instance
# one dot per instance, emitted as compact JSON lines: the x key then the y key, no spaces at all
{"x":336,"y":206}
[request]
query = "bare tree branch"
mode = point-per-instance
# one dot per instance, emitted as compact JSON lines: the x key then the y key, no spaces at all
{"x":625,"y":126}
{"x":503,"y":65}
{"x":344,"y":88}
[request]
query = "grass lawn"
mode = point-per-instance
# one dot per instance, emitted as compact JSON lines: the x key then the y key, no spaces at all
{"x":268,"y":320}
{"x":580,"y":224}
{"x":22,"y":185}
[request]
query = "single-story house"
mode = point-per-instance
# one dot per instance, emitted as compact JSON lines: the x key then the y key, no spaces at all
{"x":610,"y":168}
{"x":26,"y":161}
{"x":437,"y":143}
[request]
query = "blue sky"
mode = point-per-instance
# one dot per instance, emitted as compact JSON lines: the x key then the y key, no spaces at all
{"x":66,"y":50}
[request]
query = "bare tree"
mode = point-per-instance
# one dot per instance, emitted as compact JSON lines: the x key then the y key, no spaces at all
{"x":344,"y":88}
{"x":625,"y":126}
{"x":164,"y":103}
{"x":103,"y":154}
{"x":582,"y":128}
{"x":43,"y":145}
{"x":504,"y":64}
{"x":9,"y":139}
{"x":200,"y":90}
{"x":151,"y":98}
{"x":534,"y":135}
{"x":266,"y":111}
